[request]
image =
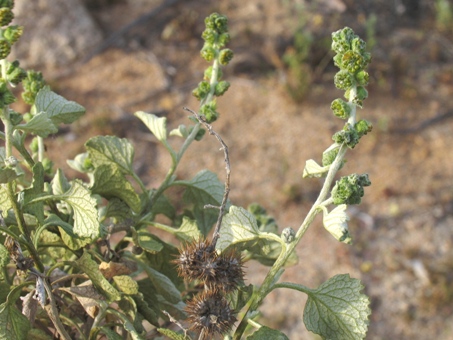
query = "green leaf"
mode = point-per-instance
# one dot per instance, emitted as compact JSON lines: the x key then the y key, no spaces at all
{"x":58,"y":109}
{"x":86,"y":222}
{"x":5,"y":203}
{"x":110,"y":182}
{"x":145,"y":310}
{"x":163,"y":285}
{"x":111,"y":150}
{"x":148,"y":243}
{"x":163,"y":206}
{"x":126,"y":284}
{"x":67,"y":235}
{"x":60,"y":183}
{"x":204,"y":188}
{"x":13,"y":325}
{"x":337,"y":309}
{"x":110,"y":334}
{"x":4,"y":257}
{"x":36,"y":190}
{"x":118,"y":209}
{"x":91,"y":268}
{"x":171,"y":334}
{"x":40,"y":125}
{"x":239,"y":225}
{"x":205,"y":218}
{"x":188,"y":230}
{"x":7,"y":175}
{"x":158,"y":126}
{"x":265,"y":333}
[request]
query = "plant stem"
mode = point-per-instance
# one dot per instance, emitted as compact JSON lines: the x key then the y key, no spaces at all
{"x":269,"y":281}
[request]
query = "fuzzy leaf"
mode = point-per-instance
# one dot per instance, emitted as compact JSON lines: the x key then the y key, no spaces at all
{"x":36,"y":190}
{"x":109,"y":182}
{"x":172,"y":334}
{"x":313,"y":169}
{"x":40,"y":125}
{"x":239,"y":225}
{"x":188,"y":230}
{"x":13,"y":325}
{"x":337,"y":309}
{"x":163,"y":206}
{"x":4,"y":257}
{"x":148,"y":243}
{"x":265,"y":333}
{"x":163,"y":285}
{"x":58,"y":109}
{"x":204,"y":188}
{"x":126,"y":284}
{"x":89,"y":267}
{"x":111,"y":150}
{"x":118,"y":209}
{"x":336,"y":223}
{"x":5,"y":203}
{"x":60,"y":183}
{"x":86,"y":222}
{"x":7,"y":175}
{"x":157,"y":125}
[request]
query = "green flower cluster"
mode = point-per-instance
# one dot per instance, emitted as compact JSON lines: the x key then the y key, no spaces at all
{"x":216,"y":36}
{"x":349,"y":189}
{"x":352,"y":60}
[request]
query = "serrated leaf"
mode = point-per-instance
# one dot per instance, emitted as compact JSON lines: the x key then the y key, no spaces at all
{"x":266,"y":333}
{"x":313,"y":169}
{"x":86,"y":224}
{"x":110,"y":182}
{"x":337,"y":309}
{"x":239,"y":225}
{"x":171,"y":334}
{"x":40,"y":125}
{"x":58,"y":109}
{"x":13,"y":325}
{"x":204,"y":188}
{"x":157,"y":125}
{"x":111,"y":150}
{"x":67,"y":235}
{"x":188,"y":230}
{"x":89,"y":267}
{"x":126,"y":284}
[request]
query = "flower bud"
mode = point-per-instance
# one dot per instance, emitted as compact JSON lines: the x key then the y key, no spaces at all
{"x":348,"y":136}
{"x":210,"y":36}
{"x":5,"y":48}
{"x":11,"y":162}
{"x":363,"y":127}
{"x":7,"y":3}
{"x":6,"y":16}
{"x":343,"y":80}
{"x":362,"y":78}
{"x":208,"y":53}
{"x":209,"y":110}
{"x":221,"y":88}
{"x":288,"y":235}
{"x":349,"y":189}
{"x":340,"y":108}
{"x":6,"y":96}
{"x":14,"y":73}
{"x":13,"y":33}
{"x":225,"y":56}
{"x":32,"y":84}
{"x":358,"y":45}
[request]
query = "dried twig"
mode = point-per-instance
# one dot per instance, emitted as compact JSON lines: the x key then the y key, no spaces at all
{"x":222,"y":207}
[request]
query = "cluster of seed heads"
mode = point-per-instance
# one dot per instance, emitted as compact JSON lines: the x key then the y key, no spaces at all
{"x":209,"y":312}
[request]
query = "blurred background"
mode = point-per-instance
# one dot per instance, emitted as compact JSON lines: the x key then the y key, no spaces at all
{"x":118,"y":56}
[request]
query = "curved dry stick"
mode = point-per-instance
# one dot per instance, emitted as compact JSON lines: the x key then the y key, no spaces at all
{"x":222,"y":207}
